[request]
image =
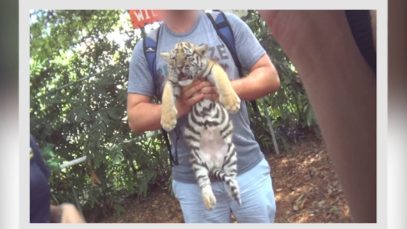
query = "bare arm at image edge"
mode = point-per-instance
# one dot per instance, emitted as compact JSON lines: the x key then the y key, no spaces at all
{"x":342,"y":91}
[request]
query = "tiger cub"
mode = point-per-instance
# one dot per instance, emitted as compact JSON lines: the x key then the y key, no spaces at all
{"x":209,"y":130}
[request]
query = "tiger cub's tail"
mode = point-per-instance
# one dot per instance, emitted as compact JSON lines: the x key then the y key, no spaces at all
{"x":231,"y":184}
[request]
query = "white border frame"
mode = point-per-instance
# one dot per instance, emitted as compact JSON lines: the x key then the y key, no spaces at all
{"x":380,"y":6}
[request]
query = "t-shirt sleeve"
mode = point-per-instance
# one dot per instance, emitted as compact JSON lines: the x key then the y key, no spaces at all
{"x":248,"y":48}
{"x":140,"y":79}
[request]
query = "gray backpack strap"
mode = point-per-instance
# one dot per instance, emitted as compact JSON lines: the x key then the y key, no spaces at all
{"x":150,"y":42}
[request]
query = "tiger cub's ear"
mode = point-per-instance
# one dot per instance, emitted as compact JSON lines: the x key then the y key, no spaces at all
{"x":166,"y":56}
{"x":201,"y":49}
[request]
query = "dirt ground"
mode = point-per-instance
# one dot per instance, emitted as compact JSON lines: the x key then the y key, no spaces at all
{"x":305,"y":185}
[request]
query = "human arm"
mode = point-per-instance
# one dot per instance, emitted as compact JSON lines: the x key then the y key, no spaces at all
{"x":342,"y":91}
{"x":262,"y":80}
{"x":143,"y":115}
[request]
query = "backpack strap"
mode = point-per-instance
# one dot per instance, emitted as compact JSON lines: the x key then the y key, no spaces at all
{"x":150,"y":53}
{"x":225,"y":32}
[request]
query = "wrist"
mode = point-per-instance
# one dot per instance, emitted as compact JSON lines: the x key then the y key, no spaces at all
{"x":181,"y":109}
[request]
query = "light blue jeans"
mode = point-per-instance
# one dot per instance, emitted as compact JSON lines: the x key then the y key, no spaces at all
{"x":256,"y":190}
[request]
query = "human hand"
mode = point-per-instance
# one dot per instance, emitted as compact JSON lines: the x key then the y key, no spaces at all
{"x":209,"y":91}
{"x":70,"y":214}
{"x":66,"y":213}
{"x":194,"y":93}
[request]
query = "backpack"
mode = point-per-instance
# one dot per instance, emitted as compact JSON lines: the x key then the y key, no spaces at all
{"x":40,"y":192}
{"x":224,"y":31}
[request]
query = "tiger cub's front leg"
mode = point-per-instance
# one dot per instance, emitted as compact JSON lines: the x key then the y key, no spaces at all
{"x":227,"y":95}
{"x":168,"y":109}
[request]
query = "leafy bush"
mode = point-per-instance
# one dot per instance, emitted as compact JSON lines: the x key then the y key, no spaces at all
{"x":78,"y":108}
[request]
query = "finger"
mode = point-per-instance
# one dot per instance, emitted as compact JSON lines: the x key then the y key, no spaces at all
{"x":194,"y":99}
{"x":194,"y":83}
{"x":205,"y":84}
{"x":209,"y":90}
{"x":186,"y":88}
{"x":212,"y":97}
{"x":190,"y":91}
{"x":187,"y":93}
{"x":190,"y":87}
{"x":197,"y":83}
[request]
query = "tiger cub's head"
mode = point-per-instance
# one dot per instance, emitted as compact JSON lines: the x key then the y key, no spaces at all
{"x":187,"y":61}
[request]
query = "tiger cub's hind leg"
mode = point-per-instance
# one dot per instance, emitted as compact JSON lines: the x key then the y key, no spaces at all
{"x":204,"y":183}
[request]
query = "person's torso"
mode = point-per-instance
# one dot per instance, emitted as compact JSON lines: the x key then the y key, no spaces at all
{"x":247,"y":148}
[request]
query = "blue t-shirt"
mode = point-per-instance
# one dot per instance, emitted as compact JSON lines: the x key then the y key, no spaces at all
{"x":249,"y":51}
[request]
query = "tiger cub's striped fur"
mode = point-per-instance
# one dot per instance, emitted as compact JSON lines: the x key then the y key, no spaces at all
{"x":209,"y":129}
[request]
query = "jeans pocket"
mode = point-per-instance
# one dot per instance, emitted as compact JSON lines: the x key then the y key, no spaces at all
{"x":264,"y":167}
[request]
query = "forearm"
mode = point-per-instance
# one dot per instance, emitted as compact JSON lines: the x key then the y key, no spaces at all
{"x":144,"y":117}
{"x":345,"y":104}
{"x":342,"y":91}
{"x":259,"y":83}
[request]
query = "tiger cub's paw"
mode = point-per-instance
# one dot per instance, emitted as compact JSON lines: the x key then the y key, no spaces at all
{"x":231,"y":102}
{"x":169,"y":119}
{"x":208,"y":197}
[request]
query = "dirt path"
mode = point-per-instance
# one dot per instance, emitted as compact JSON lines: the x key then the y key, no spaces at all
{"x":306,"y":190}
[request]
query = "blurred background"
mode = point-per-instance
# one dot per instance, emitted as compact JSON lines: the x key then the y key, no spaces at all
{"x":9,"y":112}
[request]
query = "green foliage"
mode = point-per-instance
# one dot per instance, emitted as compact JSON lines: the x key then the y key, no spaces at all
{"x":78,"y":87}
{"x":78,"y":81}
